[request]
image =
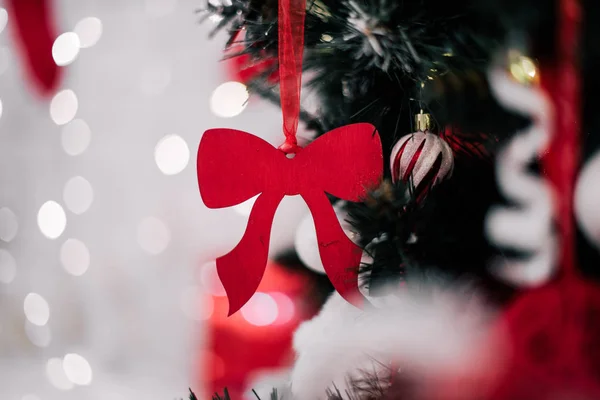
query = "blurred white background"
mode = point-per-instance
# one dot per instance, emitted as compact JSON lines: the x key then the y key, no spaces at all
{"x":102,"y":228}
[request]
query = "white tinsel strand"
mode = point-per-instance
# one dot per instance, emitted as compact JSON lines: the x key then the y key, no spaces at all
{"x":527,"y":226}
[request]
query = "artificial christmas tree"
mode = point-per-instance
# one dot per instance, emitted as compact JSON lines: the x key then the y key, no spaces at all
{"x":476,"y":205}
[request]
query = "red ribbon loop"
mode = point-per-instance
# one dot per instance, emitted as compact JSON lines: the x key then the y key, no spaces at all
{"x":290,"y":50}
{"x":234,"y":166}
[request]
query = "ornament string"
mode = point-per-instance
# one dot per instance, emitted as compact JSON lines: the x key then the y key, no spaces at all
{"x":291,"y":47}
{"x":564,"y":157}
{"x":562,"y":160}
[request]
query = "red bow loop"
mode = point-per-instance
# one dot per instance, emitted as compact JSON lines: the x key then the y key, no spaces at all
{"x":234,"y":166}
{"x":352,"y":156}
{"x":230,"y":160}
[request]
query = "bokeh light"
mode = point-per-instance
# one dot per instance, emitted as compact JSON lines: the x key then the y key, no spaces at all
{"x":209,"y":278}
{"x":1,"y":108}
{"x":40,"y":336}
{"x":307,"y":245}
{"x":77,"y":369}
{"x":65,"y":48}
{"x":217,"y":364}
{"x":76,"y":137}
{"x":522,"y":68}
{"x":155,"y":78}
{"x":171,"y":154}
{"x":261,"y":310}
{"x":63,"y":107}
{"x":56,"y":374}
{"x":195,"y":305}
{"x":285,"y":306}
{"x":4,"y":60}
{"x":244,"y":208}
{"x":78,"y":195}
{"x":9,"y":224}
{"x":75,"y":257}
{"x":52,"y":219}
{"x":8,"y":267}
{"x":153,"y":235}
{"x":36,"y":309}
{"x":3,"y":19}
{"x":229,"y":99}
{"x":88,"y":30}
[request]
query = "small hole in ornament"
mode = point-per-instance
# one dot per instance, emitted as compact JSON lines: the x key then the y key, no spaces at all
{"x":290,"y":155}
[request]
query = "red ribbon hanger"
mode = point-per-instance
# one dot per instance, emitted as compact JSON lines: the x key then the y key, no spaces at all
{"x":234,"y":166}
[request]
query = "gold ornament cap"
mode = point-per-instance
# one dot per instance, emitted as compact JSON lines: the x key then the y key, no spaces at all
{"x":423,"y":122}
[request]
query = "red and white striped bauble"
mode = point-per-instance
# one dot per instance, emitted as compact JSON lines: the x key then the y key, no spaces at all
{"x":424,"y":158}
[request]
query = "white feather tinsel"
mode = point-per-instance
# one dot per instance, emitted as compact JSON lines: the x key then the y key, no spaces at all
{"x":428,"y":334}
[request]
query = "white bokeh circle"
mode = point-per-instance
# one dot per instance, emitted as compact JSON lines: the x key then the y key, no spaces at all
{"x":3,"y":18}
{"x":153,"y":235}
{"x":245,"y":207}
{"x":36,"y":309}
{"x":229,"y":99}
{"x":75,"y":257}
{"x":65,"y":48}
{"x":261,"y":310}
{"x":306,"y":243}
{"x":76,"y":137}
{"x":154,"y":79}
{"x":307,"y":246}
{"x":587,"y":200}
{"x":195,"y":305}
{"x":78,"y":195}
{"x":8,"y":267}
{"x":39,"y":336}
{"x":88,"y":30}
{"x":63,"y":107}
{"x":171,"y":154}
{"x":9,"y":225}
{"x":52,"y":219}
{"x":77,"y":369}
{"x":209,"y":279}
{"x":56,"y":374}
{"x":5,"y":59}
{"x":285,"y":306}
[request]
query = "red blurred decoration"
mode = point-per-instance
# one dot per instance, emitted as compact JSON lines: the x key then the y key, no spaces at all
{"x":34,"y":29}
{"x":234,"y":166}
{"x":243,"y":68}
{"x":470,"y":145}
{"x":554,"y":330}
{"x":237,"y":350}
{"x":554,"y":334}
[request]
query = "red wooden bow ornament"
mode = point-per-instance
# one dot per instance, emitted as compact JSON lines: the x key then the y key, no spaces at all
{"x":234,"y":166}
